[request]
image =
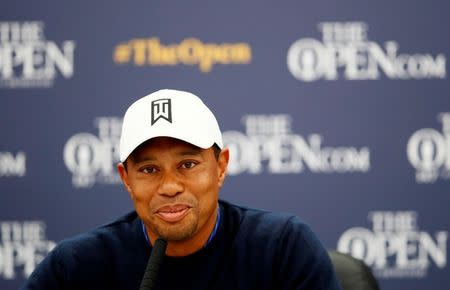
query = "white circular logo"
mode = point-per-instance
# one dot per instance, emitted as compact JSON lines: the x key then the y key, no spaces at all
{"x":82,"y":154}
{"x":306,"y":59}
{"x":426,"y":149}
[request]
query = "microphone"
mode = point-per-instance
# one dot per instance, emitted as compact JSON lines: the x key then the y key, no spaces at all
{"x":154,"y":263}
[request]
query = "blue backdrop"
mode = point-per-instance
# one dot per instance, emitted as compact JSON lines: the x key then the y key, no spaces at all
{"x":337,"y":111}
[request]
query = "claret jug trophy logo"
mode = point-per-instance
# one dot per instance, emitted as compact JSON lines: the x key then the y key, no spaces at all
{"x":428,"y":151}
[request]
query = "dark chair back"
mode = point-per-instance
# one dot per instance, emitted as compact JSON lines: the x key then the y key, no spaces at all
{"x":353,"y":274}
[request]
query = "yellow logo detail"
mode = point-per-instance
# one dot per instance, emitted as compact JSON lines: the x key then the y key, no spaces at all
{"x":190,"y":51}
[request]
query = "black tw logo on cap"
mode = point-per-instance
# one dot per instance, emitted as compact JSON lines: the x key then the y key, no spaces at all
{"x":161,"y":109}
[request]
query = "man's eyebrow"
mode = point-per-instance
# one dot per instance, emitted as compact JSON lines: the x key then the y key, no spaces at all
{"x":190,"y":151}
{"x":143,"y":158}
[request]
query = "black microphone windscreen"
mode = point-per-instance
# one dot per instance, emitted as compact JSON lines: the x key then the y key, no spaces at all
{"x":154,"y":262}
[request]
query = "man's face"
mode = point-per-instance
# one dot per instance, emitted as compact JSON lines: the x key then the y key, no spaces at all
{"x":174,"y":186}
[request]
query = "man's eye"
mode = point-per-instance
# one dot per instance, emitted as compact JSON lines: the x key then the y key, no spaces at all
{"x":188,"y":164}
{"x":148,"y":170}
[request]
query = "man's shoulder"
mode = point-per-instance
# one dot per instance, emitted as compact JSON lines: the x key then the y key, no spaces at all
{"x":122,"y":231}
{"x":89,"y":259}
{"x":264,"y":222}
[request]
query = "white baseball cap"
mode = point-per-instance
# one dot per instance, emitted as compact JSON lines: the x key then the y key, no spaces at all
{"x":169,"y":113}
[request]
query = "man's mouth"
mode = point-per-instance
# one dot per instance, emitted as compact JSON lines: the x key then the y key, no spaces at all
{"x":172,"y":213}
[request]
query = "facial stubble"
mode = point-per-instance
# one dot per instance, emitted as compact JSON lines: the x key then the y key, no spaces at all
{"x":178,"y":231}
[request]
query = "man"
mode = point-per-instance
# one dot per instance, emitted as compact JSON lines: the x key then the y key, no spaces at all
{"x":173,"y":164}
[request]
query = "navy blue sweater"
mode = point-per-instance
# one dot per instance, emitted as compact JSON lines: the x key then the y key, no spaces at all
{"x":253,"y":249}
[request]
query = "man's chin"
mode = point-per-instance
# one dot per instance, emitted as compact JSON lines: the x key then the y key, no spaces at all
{"x":177,"y":232}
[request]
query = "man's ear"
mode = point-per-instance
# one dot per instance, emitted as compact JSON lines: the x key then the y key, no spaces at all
{"x":222,"y":165}
{"x":124,"y":176}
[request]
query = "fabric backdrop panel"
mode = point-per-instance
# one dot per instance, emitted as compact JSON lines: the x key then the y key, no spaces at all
{"x":336,"y":111}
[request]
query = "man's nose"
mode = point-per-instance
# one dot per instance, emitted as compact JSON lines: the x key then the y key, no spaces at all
{"x":171,"y":185}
